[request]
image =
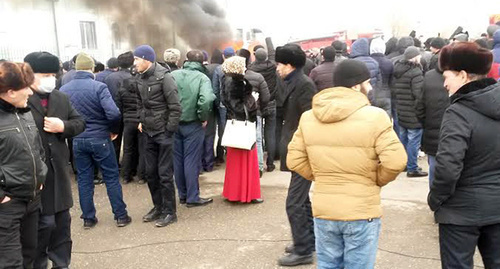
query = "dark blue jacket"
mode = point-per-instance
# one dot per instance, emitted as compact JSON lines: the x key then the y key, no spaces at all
{"x":114,"y":81}
{"x":101,"y":76}
{"x":382,"y":93}
{"x":94,"y":103}
{"x":496,"y":47}
{"x":361,"y":51}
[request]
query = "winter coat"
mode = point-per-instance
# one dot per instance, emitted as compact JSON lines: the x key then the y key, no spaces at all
{"x":350,"y":150}
{"x":360,"y":51}
{"x":466,"y":188}
{"x":381,"y":95}
{"x":126,"y":100}
{"x":211,"y":70}
{"x":430,"y":109}
{"x":22,"y":167}
{"x":69,"y":76}
{"x":407,"y":86}
{"x":308,"y":67}
{"x":496,"y":47}
{"x":114,"y":81}
{"x":298,"y":91}
{"x":268,"y":70}
{"x":433,"y":62}
{"x":56,"y":193}
{"x":259,"y":86}
{"x":101,"y":76}
{"x":236,"y":95}
{"x":217,"y":85}
{"x":322,"y":75}
{"x":402,"y":45}
{"x":93,"y":102}
{"x":195,"y":92}
{"x":159,"y":108}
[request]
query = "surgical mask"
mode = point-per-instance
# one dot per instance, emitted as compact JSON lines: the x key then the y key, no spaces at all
{"x":47,"y":84}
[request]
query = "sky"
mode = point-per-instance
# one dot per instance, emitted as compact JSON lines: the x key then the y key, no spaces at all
{"x":293,"y":20}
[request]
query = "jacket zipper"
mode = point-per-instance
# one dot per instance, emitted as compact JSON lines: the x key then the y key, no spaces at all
{"x":32,"y":155}
{"x":10,"y":129}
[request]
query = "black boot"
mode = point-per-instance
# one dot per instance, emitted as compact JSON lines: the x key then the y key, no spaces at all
{"x":293,"y":259}
{"x":152,"y":215}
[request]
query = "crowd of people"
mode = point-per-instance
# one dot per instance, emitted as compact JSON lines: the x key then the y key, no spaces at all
{"x":349,"y":121}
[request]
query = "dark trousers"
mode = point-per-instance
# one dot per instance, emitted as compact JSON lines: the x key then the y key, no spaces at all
{"x":270,"y":135}
{"x":279,"y":128}
{"x":54,"y":240}
{"x":117,"y":143}
{"x":221,"y":124}
{"x":160,"y":172}
{"x":133,"y":152}
{"x":187,"y":157}
{"x":458,"y":244}
{"x":298,"y":209}
{"x":208,"y":158}
{"x":18,"y":233}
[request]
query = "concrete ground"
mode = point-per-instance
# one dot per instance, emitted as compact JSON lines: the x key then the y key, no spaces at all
{"x":226,"y":235}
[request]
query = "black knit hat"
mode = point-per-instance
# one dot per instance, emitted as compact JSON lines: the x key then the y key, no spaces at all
{"x":438,"y":43}
{"x":43,"y":62}
{"x":291,"y":54}
{"x":350,"y":73}
{"x":126,"y":60}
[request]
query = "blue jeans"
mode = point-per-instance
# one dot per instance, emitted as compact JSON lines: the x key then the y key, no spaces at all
{"x":102,"y":152}
{"x":432,"y":166}
{"x":411,"y":138}
{"x":188,"y":147}
{"x":260,"y":150}
{"x":346,"y":244}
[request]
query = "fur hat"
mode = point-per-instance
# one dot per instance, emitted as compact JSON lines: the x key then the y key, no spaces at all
{"x":349,"y":73}
{"x":84,"y":62}
{"x":338,"y":45}
{"x":466,"y":56}
{"x":172,"y":55}
{"x":43,"y":62}
{"x":291,"y":54}
{"x":234,"y":65}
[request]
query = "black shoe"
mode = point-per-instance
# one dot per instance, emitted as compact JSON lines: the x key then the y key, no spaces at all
{"x":295,"y":259}
{"x":124,"y":221}
{"x":182,"y":201}
{"x":200,"y":202}
{"x":257,"y":201}
{"x":89,"y":223}
{"x":271,"y":168}
{"x":166,"y":220}
{"x":152,"y":215}
{"x":126,"y":181}
{"x":98,"y":181}
{"x":261,"y":172}
{"x":290,"y":248}
{"x":417,"y":173}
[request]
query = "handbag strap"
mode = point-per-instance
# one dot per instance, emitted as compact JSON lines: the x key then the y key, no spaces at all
{"x":247,"y":118}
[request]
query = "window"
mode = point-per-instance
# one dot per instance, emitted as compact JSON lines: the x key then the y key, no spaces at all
{"x":115,"y":30}
{"x":88,"y":35}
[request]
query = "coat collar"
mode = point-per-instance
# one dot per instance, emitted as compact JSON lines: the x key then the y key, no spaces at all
{"x":8,"y":107}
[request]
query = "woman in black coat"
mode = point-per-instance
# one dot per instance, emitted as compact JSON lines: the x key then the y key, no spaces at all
{"x":465,"y":194}
{"x":242,"y":180}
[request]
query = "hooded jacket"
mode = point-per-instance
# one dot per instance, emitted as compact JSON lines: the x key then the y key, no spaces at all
{"x":360,"y":51}
{"x":466,"y":188}
{"x":407,"y":86}
{"x":268,"y":70}
{"x":350,"y":150}
{"x":496,"y":47}
{"x":381,"y":95}
{"x":403,"y":43}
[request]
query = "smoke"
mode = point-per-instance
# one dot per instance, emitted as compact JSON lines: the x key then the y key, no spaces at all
{"x":201,"y":24}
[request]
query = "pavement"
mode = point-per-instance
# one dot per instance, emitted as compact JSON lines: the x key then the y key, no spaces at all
{"x":228,"y":235}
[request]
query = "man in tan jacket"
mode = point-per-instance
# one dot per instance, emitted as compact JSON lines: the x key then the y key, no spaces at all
{"x":349,"y":149}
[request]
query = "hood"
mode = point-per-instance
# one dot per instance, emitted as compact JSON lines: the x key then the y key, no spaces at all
{"x":360,"y":47}
{"x":336,"y":104}
{"x":263,"y":67}
{"x":482,"y":96}
{"x":401,"y":67}
{"x":496,"y":39}
{"x":195,"y":66}
{"x":377,"y":46}
{"x":404,"y":43}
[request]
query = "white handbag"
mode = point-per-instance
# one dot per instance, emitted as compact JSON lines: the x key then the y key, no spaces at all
{"x":240,"y":134}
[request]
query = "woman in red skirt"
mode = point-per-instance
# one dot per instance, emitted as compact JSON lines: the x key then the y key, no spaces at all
{"x":242,"y":181}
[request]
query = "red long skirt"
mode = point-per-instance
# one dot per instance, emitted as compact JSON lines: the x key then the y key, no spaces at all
{"x":242,"y":181}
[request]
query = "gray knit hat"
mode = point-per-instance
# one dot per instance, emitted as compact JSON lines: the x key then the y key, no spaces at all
{"x":411,"y":52}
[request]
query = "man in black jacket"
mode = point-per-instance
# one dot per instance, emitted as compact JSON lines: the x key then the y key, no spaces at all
{"x":466,"y":190}
{"x":295,"y":99}
{"x":23,"y":170}
{"x":430,"y":109}
{"x":56,"y":120}
{"x":159,"y":115}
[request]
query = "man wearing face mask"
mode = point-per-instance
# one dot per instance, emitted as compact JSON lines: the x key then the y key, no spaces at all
{"x":56,"y":120}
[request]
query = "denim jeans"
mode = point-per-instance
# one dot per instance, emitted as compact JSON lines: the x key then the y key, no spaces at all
{"x":411,"y":138}
{"x":101,"y":151}
{"x":221,"y":124}
{"x":395,"y":120}
{"x":270,"y":135}
{"x":260,"y":149}
{"x":346,"y":244}
{"x":432,"y":165}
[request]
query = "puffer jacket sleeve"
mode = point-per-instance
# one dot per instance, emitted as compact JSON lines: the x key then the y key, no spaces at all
{"x":206,"y":98}
{"x":174,"y":106}
{"x":264,"y":95}
{"x":390,"y":151}
{"x":297,"y":159}
{"x":417,"y":82}
{"x":453,"y":145}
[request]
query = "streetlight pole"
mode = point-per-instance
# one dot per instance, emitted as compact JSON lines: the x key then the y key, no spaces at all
{"x":58,"y":51}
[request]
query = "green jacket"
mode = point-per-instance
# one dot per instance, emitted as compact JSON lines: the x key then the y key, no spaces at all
{"x":195,"y":92}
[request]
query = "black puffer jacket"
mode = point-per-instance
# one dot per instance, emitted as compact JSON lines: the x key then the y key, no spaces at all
{"x":430,"y":110}
{"x":259,"y":86}
{"x":407,"y":86}
{"x":159,"y":108}
{"x":22,"y":167}
{"x":382,"y":93}
{"x":126,"y":100}
{"x":466,"y":188}
{"x":268,"y":70}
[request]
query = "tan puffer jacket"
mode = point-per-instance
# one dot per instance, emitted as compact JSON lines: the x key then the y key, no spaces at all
{"x":350,"y":150}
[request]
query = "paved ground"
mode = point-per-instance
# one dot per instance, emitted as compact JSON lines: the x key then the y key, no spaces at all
{"x":226,"y":235}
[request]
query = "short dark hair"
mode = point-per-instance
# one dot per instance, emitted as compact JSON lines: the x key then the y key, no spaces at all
{"x":15,"y":76}
{"x":329,"y":54}
{"x":195,"y":56}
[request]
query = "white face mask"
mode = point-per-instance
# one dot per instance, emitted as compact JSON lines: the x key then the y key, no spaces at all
{"x":47,"y":84}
